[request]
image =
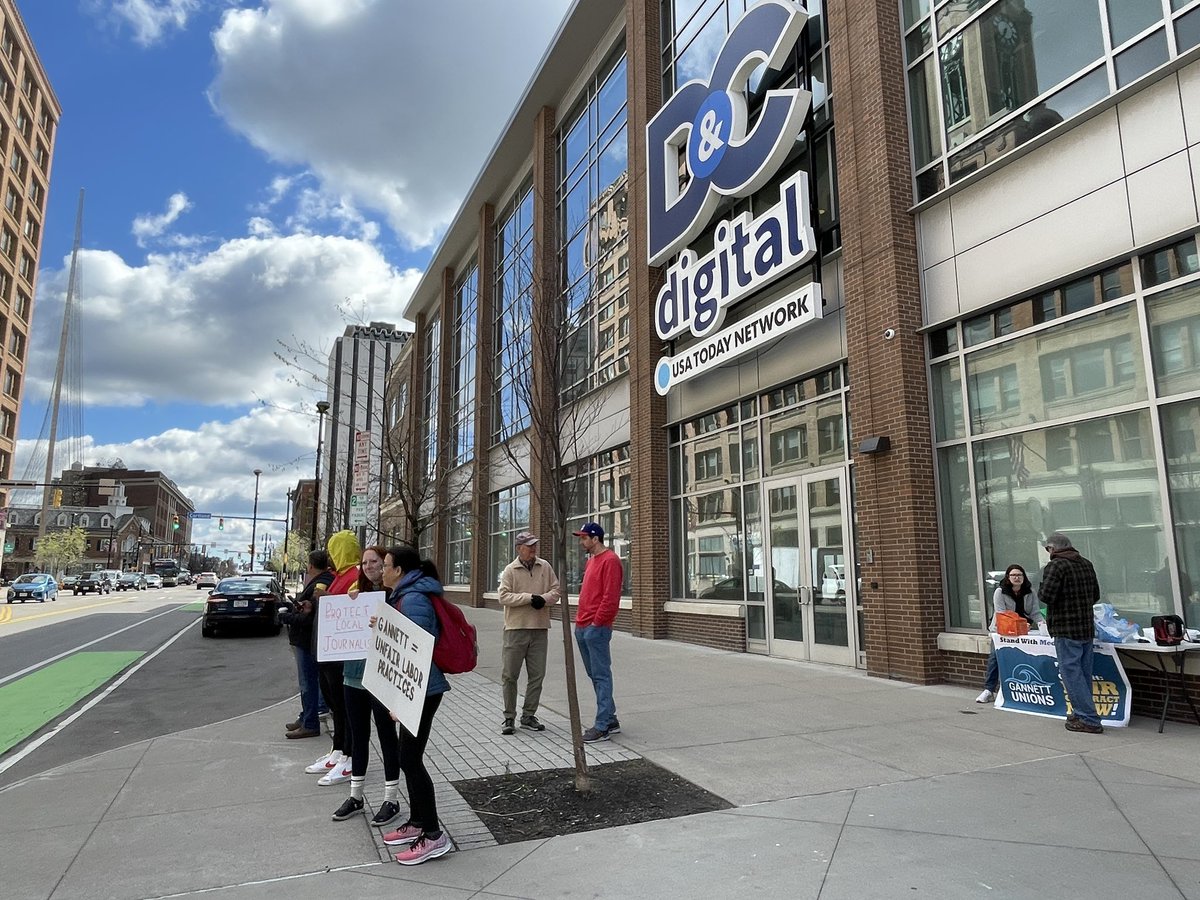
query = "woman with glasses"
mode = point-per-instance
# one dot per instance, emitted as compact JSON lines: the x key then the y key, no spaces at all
{"x":1015,"y":594}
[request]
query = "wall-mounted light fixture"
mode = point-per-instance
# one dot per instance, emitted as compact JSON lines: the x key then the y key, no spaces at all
{"x":879,"y":444}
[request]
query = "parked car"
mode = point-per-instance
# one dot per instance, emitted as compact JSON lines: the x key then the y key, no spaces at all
{"x":153,"y":580}
{"x":69,"y":581}
{"x":243,"y":600}
{"x":131,"y":581}
{"x":99,"y":581}
{"x":185,"y":578}
{"x":206,"y":579}
{"x":33,"y":586}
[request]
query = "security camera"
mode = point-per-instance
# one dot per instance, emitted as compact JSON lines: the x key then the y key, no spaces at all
{"x":889,"y":333}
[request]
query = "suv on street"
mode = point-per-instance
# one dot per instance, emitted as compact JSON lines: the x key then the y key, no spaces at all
{"x":99,"y":581}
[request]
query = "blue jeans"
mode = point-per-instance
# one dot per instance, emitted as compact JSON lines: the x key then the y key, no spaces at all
{"x":1075,"y":670}
{"x":310,"y":689}
{"x":991,"y":678}
{"x":593,"y":641}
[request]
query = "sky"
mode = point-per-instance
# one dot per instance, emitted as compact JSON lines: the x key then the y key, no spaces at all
{"x":258,"y":175}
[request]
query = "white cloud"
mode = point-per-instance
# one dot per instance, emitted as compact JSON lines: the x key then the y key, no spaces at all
{"x":151,"y":20}
{"x":204,"y":327}
{"x":149,"y":225}
{"x":214,"y":467}
{"x":392,"y":106}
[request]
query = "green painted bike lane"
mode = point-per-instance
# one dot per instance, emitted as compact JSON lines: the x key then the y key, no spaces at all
{"x":36,"y":699}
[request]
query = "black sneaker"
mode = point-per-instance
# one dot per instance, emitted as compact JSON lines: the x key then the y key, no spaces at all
{"x":592,"y":735}
{"x":508,"y":727}
{"x":1082,"y":726}
{"x":614,"y":727}
{"x":532,"y":723}
{"x":387,"y":812}
{"x":351,"y":807}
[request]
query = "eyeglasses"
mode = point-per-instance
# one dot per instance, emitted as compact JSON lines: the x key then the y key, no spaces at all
{"x":1049,"y":549}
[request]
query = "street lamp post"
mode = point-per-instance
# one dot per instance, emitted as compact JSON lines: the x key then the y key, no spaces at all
{"x":254,"y":518}
{"x":322,"y":408}
{"x":287,"y":530}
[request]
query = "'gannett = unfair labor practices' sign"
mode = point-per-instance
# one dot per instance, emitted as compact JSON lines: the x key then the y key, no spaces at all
{"x":344,"y":625}
{"x":398,"y":663}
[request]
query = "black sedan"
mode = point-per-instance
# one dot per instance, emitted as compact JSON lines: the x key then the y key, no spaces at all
{"x":244,"y":600}
{"x":131,"y":581}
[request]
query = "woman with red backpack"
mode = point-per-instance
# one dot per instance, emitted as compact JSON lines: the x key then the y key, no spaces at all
{"x":413,"y":582}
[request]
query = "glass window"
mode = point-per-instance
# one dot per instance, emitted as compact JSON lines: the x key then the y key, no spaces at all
{"x":1105,"y":497}
{"x":598,"y":491}
{"x":1078,"y":367}
{"x":1146,"y":55}
{"x":1169,"y":263}
{"x":430,"y":404}
{"x":947,"y":401}
{"x":1127,"y":18}
{"x":958,"y":545}
{"x":462,"y":367}
{"x":458,"y":546}
{"x":715,"y":567}
{"x":1181,"y":433}
{"x":1174,"y":318}
{"x":509,"y":515}
{"x":513,"y":314}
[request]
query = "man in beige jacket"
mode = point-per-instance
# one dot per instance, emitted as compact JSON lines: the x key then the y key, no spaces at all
{"x":528,"y":588}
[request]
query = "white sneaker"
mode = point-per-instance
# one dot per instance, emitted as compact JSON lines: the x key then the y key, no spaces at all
{"x":986,"y":697}
{"x":324,"y":763}
{"x":339,"y":773}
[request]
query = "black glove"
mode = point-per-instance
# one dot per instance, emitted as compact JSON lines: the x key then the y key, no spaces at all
{"x":537,"y":601}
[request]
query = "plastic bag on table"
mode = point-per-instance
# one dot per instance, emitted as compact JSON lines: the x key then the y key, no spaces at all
{"x":1111,"y":628}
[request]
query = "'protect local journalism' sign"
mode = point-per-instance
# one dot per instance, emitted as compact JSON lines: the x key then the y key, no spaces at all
{"x":705,"y":122}
{"x":398,"y":663}
{"x":344,"y":625}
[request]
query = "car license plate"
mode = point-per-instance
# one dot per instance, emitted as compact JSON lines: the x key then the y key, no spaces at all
{"x":240,"y":604}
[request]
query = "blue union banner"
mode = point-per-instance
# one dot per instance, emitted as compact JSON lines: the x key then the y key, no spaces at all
{"x":1029,"y":681}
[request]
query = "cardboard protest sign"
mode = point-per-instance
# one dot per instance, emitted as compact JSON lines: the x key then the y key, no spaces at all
{"x":398,"y":663}
{"x":1029,"y":681}
{"x":344,"y":625}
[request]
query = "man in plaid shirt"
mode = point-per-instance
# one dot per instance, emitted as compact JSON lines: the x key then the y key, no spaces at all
{"x":1069,"y":590}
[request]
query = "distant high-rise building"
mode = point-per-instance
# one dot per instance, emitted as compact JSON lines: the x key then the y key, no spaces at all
{"x":358,"y":367}
{"x":29,"y":114}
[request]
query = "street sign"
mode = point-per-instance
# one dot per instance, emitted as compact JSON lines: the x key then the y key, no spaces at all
{"x":361,"y":470}
{"x":199,"y":515}
{"x":9,"y":548}
{"x":358,"y":510}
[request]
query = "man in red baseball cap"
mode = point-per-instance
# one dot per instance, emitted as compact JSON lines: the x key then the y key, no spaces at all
{"x":599,"y":600}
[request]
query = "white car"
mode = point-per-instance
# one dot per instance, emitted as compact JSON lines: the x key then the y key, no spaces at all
{"x":206,"y":579}
{"x":153,"y":581}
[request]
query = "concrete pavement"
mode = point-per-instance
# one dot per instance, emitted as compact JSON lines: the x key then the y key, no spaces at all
{"x":844,"y":786}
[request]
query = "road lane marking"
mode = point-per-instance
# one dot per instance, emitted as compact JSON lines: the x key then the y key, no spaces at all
{"x":5,"y":613}
{"x":65,"y":653}
{"x":33,"y":745}
{"x":28,"y":704}
{"x":62,"y":611}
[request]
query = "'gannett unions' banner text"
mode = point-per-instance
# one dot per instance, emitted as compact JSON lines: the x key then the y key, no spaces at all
{"x":767,"y":324}
{"x":1029,"y":681}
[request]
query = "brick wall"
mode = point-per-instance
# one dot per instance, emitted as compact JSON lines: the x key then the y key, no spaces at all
{"x":896,"y":524}
{"x":650,"y":509}
{"x":966,"y":669}
{"x":719,"y":632}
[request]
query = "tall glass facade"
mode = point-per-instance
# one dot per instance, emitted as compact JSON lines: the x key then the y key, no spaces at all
{"x":593,"y":223}
{"x":462,"y":367}
{"x":986,"y":77}
{"x":1074,"y":410}
{"x":513,"y":314}
{"x":598,"y":490}
{"x":429,"y":402}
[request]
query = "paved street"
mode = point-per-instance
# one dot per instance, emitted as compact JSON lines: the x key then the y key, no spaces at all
{"x":844,"y":786}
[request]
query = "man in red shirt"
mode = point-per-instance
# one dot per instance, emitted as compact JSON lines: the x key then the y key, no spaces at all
{"x":599,"y":600}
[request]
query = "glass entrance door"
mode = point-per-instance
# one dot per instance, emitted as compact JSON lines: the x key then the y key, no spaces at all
{"x":811,"y":585}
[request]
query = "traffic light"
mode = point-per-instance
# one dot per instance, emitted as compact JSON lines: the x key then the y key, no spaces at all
{"x":57,"y":497}
{"x":220,"y":524}
{"x":175,"y":522}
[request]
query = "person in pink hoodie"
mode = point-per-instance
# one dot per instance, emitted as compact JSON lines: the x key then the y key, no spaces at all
{"x":599,"y":600}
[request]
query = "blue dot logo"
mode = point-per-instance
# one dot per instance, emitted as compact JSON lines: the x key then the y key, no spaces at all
{"x":710,"y":134}
{"x":663,"y":376}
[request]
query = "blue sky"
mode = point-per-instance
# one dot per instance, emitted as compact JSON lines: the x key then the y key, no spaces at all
{"x":256,"y":172}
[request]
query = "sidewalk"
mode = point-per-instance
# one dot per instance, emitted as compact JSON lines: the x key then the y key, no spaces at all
{"x":844,"y":786}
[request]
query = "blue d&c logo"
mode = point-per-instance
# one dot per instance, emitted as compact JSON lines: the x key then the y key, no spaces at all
{"x":709,"y":120}
{"x":710,"y":132}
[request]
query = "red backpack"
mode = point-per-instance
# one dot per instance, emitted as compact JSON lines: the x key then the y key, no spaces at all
{"x":456,"y":649}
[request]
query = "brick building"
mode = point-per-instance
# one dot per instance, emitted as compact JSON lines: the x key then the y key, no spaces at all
{"x":840,"y":335}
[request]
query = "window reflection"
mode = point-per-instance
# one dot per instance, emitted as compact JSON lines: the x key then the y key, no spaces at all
{"x":1181,"y":435}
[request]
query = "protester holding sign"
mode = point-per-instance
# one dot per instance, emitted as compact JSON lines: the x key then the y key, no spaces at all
{"x":299,"y":621}
{"x":1015,"y":594}
{"x":344,"y":553}
{"x":361,"y":707}
{"x":412,"y":581}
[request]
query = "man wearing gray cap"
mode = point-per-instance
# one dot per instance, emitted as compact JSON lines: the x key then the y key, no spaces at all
{"x":1069,"y":590}
{"x":528,"y":588}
